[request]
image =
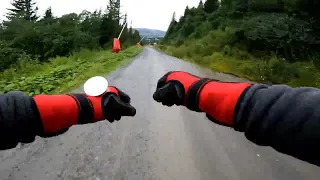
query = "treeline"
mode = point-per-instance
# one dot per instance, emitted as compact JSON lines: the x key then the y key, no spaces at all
{"x":27,"y":35}
{"x":289,"y":29}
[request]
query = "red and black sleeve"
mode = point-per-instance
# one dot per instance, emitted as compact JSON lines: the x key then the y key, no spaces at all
{"x":284,"y":118}
{"x":217,"y":99}
{"x":59,"y":112}
{"x":23,"y":117}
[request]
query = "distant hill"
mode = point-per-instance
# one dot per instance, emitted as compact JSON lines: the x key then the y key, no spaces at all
{"x":151,"y":32}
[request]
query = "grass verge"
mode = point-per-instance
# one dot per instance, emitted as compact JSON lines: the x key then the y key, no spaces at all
{"x":242,"y":64}
{"x":62,"y":74}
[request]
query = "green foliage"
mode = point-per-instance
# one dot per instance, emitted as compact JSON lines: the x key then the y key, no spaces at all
{"x":24,"y":37}
{"x":200,"y":6}
{"x":274,"y":40}
{"x":55,"y":54}
{"x":289,"y":29}
{"x":211,"y":5}
{"x":9,"y":55}
{"x":275,"y":70}
{"x":172,"y":27}
{"x":48,"y":16}
{"x":227,"y":49}
{"x":280,"y":33}
{"x":62,"y":73}
{"x":23,"y":9}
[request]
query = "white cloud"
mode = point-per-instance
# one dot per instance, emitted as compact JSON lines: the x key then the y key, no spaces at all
{"x":154,"y":14}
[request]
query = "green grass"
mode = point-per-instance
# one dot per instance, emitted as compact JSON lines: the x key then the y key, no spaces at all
{"x":243,"y":64}
{"x":62,"y":74}
{"x":219,"y":51}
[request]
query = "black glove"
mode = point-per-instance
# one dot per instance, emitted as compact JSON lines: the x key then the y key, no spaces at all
{"x":116,"y":104}
{"x":217,"y":99}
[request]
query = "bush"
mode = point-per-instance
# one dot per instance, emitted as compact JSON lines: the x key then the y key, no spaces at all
{"x":9,"y":55}
{"x":178,"y":52}
{"x":61,"y":73}
{"x":277,"y":32}
{"x":227,"y":49}
{"x":260,"y":40}
{"x":220,"y":37}
{"x":275,"y":70}
{"x":307,"y":75}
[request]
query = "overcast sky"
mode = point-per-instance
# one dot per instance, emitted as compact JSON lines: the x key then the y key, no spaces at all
{"x":154,"y":14}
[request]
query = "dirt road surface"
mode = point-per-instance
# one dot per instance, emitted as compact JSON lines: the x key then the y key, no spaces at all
{"x":160,"y":143}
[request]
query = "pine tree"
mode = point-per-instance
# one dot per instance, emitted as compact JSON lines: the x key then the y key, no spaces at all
{"x":171,"y":28}
{"x":186,"y":11}
{"x":136,"y":36}
{"x":110,"y":27}
{"x":200,"y":6}
{"x":114,"y":10}
{"x":31,"y":10}
{"x":48,"y":16}
{"x":211,"y":6}
{"x":173,"y":19}
{"x":18,"y":10}
{"x":25,"y":9}
{"x":106,"y":31}
{"x":110,"y":9}
{"x":117,"y":6}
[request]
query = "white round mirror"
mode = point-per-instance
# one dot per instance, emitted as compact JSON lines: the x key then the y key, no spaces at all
{"x":96,"y":86}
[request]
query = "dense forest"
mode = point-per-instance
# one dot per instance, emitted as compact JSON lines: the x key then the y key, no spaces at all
{"x":259,"y":39}
{"x":26,"y":35}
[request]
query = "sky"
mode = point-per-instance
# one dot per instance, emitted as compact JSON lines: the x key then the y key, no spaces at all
{"x":153,"y":14}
